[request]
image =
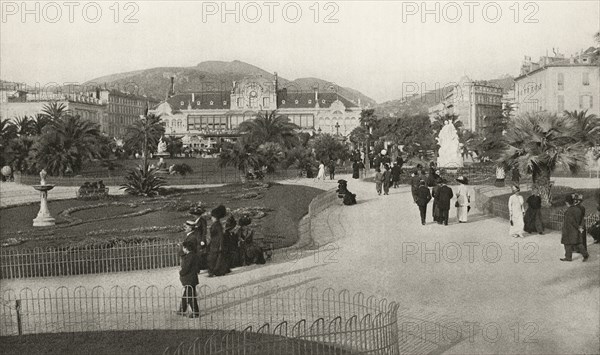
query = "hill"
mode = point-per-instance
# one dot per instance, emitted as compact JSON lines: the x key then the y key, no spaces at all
{"x":210,"y":76}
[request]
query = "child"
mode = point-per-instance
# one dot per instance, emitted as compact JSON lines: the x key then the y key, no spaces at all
{"x":188,"y":275}
{"x":378,"y":180}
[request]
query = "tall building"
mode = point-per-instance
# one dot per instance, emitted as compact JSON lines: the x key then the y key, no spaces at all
{"x":22,"y":103}
{"x":207,"y":117}
{"x":123,"y":109}
{"x":556,"y":84}
{"x":471,"y":101}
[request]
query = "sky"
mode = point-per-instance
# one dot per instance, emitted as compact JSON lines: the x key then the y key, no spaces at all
{"x":385,"y":49}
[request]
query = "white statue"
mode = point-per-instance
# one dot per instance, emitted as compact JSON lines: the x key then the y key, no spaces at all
{"x":162,"y":146}
{"x":43,"y":175}
{"x":449,"y":155}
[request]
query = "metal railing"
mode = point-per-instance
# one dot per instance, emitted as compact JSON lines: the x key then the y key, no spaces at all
{"x":553,"y":220}
{"x":339,"y":320}
{"x":95,"y":259}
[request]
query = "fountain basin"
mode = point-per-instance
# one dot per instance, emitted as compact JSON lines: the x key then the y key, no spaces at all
{"x":43,"y":188}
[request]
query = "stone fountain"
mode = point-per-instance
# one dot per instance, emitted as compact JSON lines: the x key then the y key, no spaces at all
{"x":43,"y":219}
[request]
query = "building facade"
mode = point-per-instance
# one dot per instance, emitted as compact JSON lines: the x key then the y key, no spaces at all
{"x":206,"y":118}
{"x":123,"y":109}
{"x":472,"y":101}
{"x":30,"y":104}
{"x":556,"y":84}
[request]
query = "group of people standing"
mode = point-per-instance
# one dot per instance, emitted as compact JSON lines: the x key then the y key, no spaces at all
{"x":522,"y":220}
{"x":218,"y":251}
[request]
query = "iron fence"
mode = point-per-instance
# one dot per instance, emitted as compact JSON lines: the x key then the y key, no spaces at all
{"x":552,"y":220}
{"x":339,"y":320}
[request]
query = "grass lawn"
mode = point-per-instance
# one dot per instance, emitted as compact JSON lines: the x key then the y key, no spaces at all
{"x":81,"y":223}
{"x":141,"y":342}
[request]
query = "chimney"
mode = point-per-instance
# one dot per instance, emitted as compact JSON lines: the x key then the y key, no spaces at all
{"x":98,"y":93}
{"x":316,"y":89}
{"x":193,"y":97}
{"x":172,"y":91}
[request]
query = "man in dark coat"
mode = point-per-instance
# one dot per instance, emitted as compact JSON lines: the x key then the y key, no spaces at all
{"x":571,"y":237}
{"x":423,"y":198}
{"x":387,"y":179}
{"x":415,"y":181}
{"x":331,"y":168}
{"x":396,"y":170}
{"x":188,"y":275}
{"x":443,"y":197}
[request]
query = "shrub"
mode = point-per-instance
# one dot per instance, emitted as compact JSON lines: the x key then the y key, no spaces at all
{"x":182,"y":169}
{"x":143,"y":183}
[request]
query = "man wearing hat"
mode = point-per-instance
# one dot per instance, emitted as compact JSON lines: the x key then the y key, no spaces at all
{"x":423,"y":198}
{"x":217,"y":264}
{"x":571,"y":235}
{"x":578,"y":202}
{"x":188,"y":275}
{"x":443,"y":197}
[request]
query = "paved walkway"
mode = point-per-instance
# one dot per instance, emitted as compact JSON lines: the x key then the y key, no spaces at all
{"x":499,"y":294}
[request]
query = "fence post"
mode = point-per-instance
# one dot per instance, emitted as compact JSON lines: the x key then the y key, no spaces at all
{"x":18,"y":309}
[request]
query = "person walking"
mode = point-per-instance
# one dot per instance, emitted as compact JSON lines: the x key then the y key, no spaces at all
{"x":331,"y":169}
{"x":321,"y":174}
{"x":571,"y":235}
{"x":217,"y":263}
{"x":435,"y":208}
{"x":533,"y":215}
{"x":463,"y":200}
{"x":387,"y":179}
{"x":356,"y":170}
{"x":578,"y":202}
{"x":444,"y":196}
{"x":516,"y":210}
{"x":423,"y":198}
{"x":188,"y":275}
{"x":415,"y":181}
{"x":396,"y":175}
{"x":378,"y":180}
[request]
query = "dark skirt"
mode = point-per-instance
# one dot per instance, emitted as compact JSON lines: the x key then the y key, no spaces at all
{"x":218,"y":264}
{"x":355,"y":173}
{"x":533,"y":221}
{"x":251,"y":254}
{"x":435,"y":211}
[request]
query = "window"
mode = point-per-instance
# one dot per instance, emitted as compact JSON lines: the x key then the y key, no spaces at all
{"x":266,"y":102}
{"x":586,"y":102}
{"x":560,"y":103}
{"x":561,"y":81}
{"x":240,"y":102}
{"x":585,"y":79}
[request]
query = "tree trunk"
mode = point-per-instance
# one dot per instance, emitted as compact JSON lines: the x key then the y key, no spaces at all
{"x":541,"y":181}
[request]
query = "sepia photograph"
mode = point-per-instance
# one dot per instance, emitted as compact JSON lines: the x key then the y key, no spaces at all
{"x":187,"y":177}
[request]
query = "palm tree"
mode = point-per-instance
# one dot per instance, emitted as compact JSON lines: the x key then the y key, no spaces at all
{"x":54,"y":111}
{"x":540,"y":142}
{"x":24,"y":126}
{"x":144,"y":134}
{"x":38,"y":124}
{"x":240,"y":155}
{"x":269,"y":127}
{"x":589,"y":127}
{"x":19,"y":154}
{"x":67,"y":143}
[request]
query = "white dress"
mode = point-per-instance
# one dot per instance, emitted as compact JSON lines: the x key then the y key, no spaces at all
{"x":463,"y":197}
{"x":321,"y":174}
{"x":516,"y":210}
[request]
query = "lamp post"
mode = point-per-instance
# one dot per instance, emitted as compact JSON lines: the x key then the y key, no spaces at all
{"x":337,"y":128}
{"x":144,"y":120}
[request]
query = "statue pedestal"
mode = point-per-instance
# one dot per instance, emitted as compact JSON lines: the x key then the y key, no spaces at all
{"x":44,"y":219}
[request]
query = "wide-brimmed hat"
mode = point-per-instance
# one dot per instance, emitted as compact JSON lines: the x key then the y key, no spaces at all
{"x":219,"y":212}
{"x":342,"y":181}
{"x":190,"y":223}
{"x":244,"y":221}
{"x":462,"y":180}
{"x":197,"y":210}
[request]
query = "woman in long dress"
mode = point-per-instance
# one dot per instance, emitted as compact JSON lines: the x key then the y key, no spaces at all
{"x":516,"y":211}
{"x":533,"y":215}
{"x":355,"y":170}
{"x":463,"y":200}
{"x":321,"y":174}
